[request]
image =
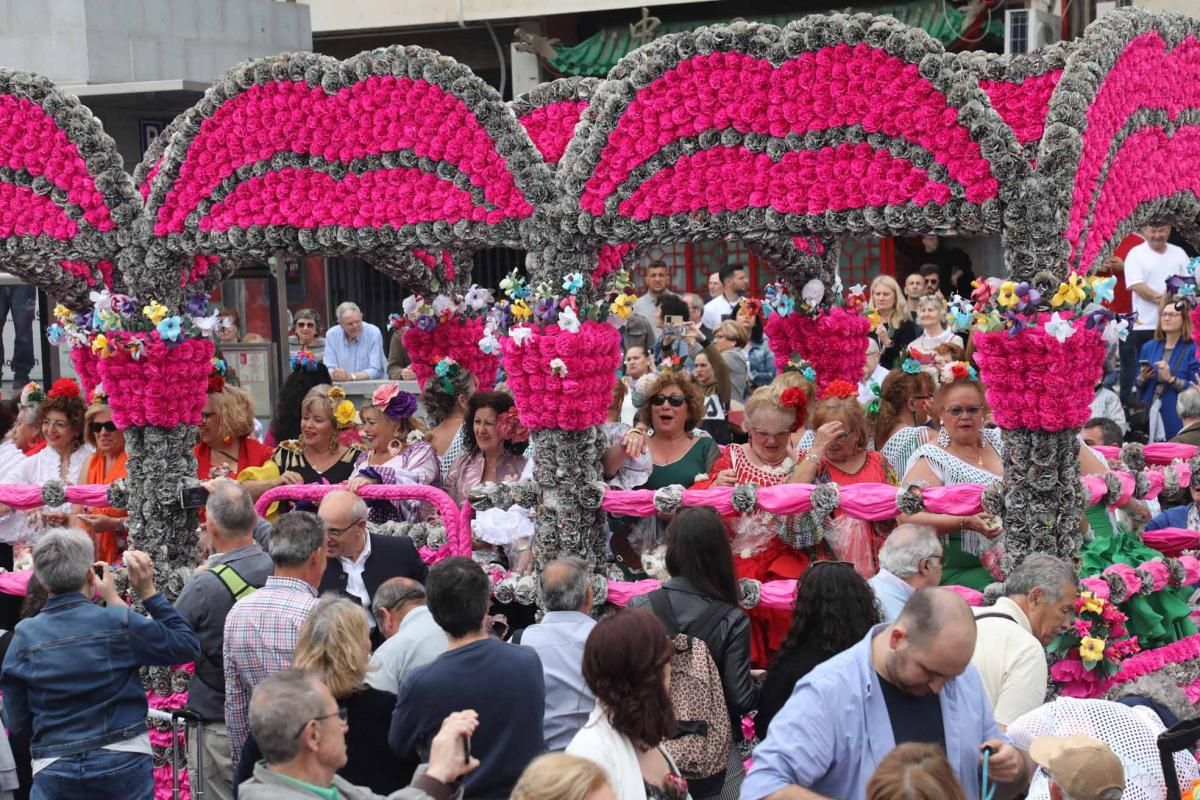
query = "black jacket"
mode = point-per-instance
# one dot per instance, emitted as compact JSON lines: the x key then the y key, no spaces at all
{"x":729,"y":644}
{"x":391,"y":557}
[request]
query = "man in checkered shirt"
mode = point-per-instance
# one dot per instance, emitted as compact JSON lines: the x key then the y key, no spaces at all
{"x":262,"y":629}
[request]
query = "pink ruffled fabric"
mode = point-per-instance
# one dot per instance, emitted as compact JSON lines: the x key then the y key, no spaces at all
{"x":24,"y":496}
{"x":1172,"y":541}
{"x":1157,"y":453}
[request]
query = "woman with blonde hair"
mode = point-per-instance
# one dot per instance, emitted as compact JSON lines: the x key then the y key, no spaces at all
{"x":398,"y":452}
{"x":558,"y":776}
{"x":335,"y":644}
{"x":105,"y":525}
{"x":931,"y":316}
{"x":730,"y":340}
{"x":915,"y":771}
{"x":896,"y":328}
{"x":226,"y":443}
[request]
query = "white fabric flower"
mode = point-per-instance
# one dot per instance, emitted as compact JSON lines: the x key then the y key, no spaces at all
{"x":1059,"y":328}
{"x":558,"y":367}
{"x":519,"y":335}
{"x":812,"y":293}
{"x":568,"y":321}
{"x":1115,"y":331}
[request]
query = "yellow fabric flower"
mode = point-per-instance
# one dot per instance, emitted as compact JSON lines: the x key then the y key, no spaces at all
{"x":1091,"y":648}
{"x":1091,"y":603}
{"x":337,"y":394}
{"x":101,"y":347}
{"x":1007,"y":297}
{"x":1070,"y":292}
{"x":345,"y":414}
{"x":874,"y":318}
{"x":62,"y":313}
{"x":521,"y":310}
{"x":622,"y":306}
{"x":156,"y":312}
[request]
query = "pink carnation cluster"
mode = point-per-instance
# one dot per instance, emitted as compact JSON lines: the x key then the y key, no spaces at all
{"x":87,"y":367}
{"x":26,"y":213}
{"x":458,"y":338}
{"x":1035,"y":381}
{"x":571,"y":401}
{"x":835,"y":343}
{"x":1150,"y":163}
{"x":827,"y":88}
{"x":609,"y":260}
{"x":164,"y":387}
{"x":1023,"y":105}
{"x":32,"y":140}
{"x":375,"y":115}
{"x":551,"y":127}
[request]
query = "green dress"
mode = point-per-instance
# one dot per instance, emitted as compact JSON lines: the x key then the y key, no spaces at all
{"x":683,"y":470}
{"x":1157,"y":619}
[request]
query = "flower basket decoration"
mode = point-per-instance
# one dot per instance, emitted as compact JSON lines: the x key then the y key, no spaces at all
{"x":1091,"y":651}
{"x":448,"y":326}
{"x":561,"y":355}
{"x":1040,"y":351}
{"x":833,"y":340}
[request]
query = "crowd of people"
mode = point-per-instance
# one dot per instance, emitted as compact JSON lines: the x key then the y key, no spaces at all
{"x":331,"y":661}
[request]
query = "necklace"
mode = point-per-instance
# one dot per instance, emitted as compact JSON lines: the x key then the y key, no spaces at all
{"x":978,"y":454}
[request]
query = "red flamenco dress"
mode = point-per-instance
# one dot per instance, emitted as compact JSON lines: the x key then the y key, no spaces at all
{"x":766,"y":547}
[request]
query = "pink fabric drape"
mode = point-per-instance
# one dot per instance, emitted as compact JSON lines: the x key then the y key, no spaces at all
{"x":26,"y":496}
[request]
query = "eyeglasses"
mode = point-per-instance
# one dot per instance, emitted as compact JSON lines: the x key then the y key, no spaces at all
{"x":342,"y":713}
{"x":109,"y":426}
{"x":338,"y":532}
{"x":970,"y":411}
{"x":306,"y":324}
{"x":676,"y":400}
{"x":769,"y":434}
{"x":936,"y":559}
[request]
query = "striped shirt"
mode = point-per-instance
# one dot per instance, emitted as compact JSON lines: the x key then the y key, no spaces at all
{"x":261,"y":632}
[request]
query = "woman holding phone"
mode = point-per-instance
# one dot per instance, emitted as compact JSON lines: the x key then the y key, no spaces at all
{"x":1167,"y":364}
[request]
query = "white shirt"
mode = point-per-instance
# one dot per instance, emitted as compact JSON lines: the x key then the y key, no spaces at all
{"x":715,"y":311}
{"x":354,"y":578}
{"x":1010,"y":660}
{"x":1143,"y":265}
{"x":44,"y":465}
{"x":865,"y":395}
{"x":416,"y":642}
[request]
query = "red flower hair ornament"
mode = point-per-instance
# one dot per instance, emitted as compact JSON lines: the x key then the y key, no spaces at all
{"x":64,"y":387}
{"x":839,"y":389}
{"x":795,"y":398}
{"x":510,"y":428}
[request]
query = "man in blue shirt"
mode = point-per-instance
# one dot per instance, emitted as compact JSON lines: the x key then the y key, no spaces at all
{"x":353,"y":348}
{"x":909,"y":560}
{"x":558,"y":639}
{"x":911,"y":681}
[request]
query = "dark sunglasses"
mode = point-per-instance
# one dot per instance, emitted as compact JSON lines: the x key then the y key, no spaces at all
{"x":306,"y":324}
{"x":676,"y":400}
{"x":96,"y":427}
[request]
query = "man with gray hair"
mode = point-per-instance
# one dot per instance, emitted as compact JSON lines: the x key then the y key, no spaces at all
{"x":261,"y":630}
{"x":71,"y":678}
{"x":566,"y":594}
{"x":413,"y":639}
{"x":237,"y":567}
{"x":302,"y":734}
{"x":353,"y":348}
{"x":909,"y":560}
{"x":1187,"y":405}
{"x":1010,"y":652}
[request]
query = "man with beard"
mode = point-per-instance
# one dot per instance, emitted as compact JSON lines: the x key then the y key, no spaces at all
{"x":911,"y":681}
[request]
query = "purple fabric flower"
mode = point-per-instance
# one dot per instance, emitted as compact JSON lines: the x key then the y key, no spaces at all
{"x":425,"y":322}
{"x":197,"y":304}
{"x":546,"y":310}
{"x":402,"y":406}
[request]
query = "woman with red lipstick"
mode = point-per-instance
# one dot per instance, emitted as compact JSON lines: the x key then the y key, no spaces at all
{"x":964,"y":452}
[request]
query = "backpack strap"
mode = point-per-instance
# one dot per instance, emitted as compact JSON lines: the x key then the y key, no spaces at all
{"x":710,"y":619}
{"x":661,"y":606}
{"x":232,"y":581}
{"x":516,"y":637}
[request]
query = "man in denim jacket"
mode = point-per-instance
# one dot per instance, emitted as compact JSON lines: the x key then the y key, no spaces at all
{"x":71,"y":673}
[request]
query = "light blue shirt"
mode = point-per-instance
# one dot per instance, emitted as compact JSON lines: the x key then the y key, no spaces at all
{"x":417,"y":642}
{"x":558,"y":640}
{"x":891,"y":592}
{"x":364,"y":354}
{"x":835,"y":729}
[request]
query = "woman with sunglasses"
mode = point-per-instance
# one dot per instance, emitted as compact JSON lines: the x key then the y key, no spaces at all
{"x":901,"y":426}
{"x":839,"y":455}
{"x":107,"y":464}
{"x":964,"y":452}
{"x":1166,"y":366}
{"x":667,"y":426}
{"x":763,"y":543}
{"x":306,"y":327}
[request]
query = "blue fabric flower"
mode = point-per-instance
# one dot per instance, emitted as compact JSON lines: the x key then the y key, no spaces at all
{"x":170,"y":329}
{"x":911,"y":366}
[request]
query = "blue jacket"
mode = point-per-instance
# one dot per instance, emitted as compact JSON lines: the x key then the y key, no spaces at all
{"x":71,"y":672}
{"x":1183,"y":366}
{"x":1171,"y":518}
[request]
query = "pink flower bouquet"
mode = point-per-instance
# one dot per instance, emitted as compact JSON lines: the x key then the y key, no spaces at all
{"x":1037,"y":382}
{"x":457,"y":338}
{"x":154,"y":383}
{"x":835,"y":343}
{"x":560,"y":379}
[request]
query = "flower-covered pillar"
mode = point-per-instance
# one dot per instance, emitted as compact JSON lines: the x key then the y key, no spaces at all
{"x":1119,"y":147}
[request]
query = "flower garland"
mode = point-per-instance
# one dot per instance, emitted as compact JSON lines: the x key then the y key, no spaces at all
{"x":448,"y":326}
{"x":561,"y":354}
{"x":832,"y":340}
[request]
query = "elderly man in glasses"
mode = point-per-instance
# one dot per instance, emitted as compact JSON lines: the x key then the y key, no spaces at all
{"x":358,"y":561}
{"x":909,"y":560}
{"x":302,"y":733}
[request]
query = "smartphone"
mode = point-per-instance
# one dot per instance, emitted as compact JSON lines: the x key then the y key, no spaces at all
{"x":673,"y":325}
{"x":466,"y":745}
{"x":99,"y":570}
{"x":672,"y":319}
{"x":193,"y":496}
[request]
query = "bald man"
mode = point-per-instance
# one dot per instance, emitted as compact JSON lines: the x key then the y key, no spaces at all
{"x":910,"y":681}
{"x":358,"y":561}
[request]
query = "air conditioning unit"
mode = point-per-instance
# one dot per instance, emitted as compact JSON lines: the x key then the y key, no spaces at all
{"x":1026,"y":30}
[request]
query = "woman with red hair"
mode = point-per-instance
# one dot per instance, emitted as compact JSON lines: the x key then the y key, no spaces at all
{"x":765,"y":546}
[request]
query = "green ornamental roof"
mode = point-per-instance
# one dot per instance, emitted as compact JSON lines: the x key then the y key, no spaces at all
{"x":600,"y":52}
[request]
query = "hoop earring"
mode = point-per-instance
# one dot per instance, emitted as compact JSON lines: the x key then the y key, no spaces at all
{"x":943,"y":439}
{"x":395,"y":447}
